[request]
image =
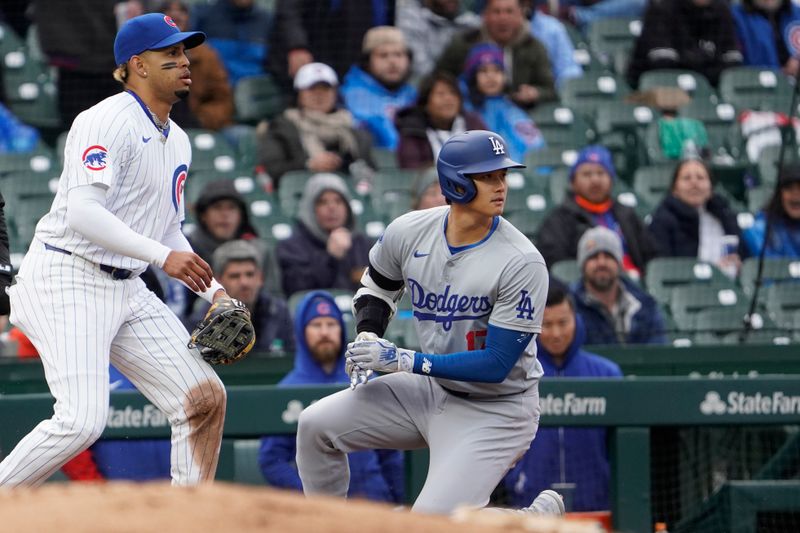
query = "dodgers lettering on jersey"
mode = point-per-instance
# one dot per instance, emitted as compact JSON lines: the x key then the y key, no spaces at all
{"x":115,"y":145}
{"x":501,"y":281}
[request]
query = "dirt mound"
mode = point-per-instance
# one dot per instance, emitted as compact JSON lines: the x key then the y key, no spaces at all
{"x":217,"y":508}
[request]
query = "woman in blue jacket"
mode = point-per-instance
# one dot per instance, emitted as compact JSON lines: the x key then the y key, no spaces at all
{"x":769,"y":33}
{"x":784,"y":208}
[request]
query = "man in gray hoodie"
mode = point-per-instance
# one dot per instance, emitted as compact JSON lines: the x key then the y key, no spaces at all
{"x":325,"y":251}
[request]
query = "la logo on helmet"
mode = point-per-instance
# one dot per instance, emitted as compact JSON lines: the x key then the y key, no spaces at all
{"x":497,"y":146}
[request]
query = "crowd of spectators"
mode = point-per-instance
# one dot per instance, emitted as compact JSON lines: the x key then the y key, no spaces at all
{"x":358,"y":77}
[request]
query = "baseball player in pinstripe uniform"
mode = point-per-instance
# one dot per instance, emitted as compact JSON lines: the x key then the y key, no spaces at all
{"x":478,"y":288}
{"x":77,"y":296}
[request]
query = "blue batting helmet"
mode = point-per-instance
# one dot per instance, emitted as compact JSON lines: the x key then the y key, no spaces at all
{"x":471,"y":152}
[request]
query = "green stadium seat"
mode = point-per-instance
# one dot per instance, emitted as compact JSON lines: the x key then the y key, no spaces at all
{"x":665,"y":273}
{"x":566,"y":270}
{"x":724,"y":326}
{"x":720,"y":122}
{"x":527,"y":221}
{"x":22,"y":217}
{"x":758,"y":197}
{"x":688,"y":300}
{"x":30,"y":88}
{"x":291,"y":189}
{"x":542,"y":162}
{"x":755,"y":88}
{"x":525,"y":195}
{"x":776,"y":270}
{"x":40,"y":160}
{"x":621,"y":128}
{"x":23,"y":185}
{"x":198,"y":179}
{"x":589,"y":93}
{"x":247,"y":149}
{"x":384,"y":158}
{"x":257,"y":98}
{"x":388,"y":180}
{"x":246,"y":469}
{"x":768,"y":160}
{"x":695,"y":84}
{"x":782,"y":301}
{"x":609,"y":36}
{"x":652,"y":183}
{"x":211,"y":151}
{"x":561,"y":127}
{"x":9,"y":40}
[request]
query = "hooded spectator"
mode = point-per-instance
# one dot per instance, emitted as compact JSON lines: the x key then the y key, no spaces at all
{"x":590,"y":204}
{"x":426,"y":190}
{"x":438,"y":115}
{"x":565,"y":454}
{"x":317,"y":134}
{"x":377,"y":87}
{"x":486,"y":81}
{"x":325,"y":251}
{"x":319,"y":359}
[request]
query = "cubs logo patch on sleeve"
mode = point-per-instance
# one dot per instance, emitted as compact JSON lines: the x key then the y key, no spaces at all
{"x":94,"y":157}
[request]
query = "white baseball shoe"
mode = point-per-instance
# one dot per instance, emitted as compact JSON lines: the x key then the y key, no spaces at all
{"x":548,"y":503}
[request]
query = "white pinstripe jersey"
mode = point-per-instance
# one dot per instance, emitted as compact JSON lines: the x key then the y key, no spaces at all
{"x":116,"y":144}
{"x":455,"y":295}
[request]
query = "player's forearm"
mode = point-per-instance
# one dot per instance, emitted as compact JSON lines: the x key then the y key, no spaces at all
{"x":174,"y":239}
{"x":87,"y":215}
{"x":490,"y":365}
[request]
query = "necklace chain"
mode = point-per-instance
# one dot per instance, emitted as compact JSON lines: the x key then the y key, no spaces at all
{"x":157,"y":121}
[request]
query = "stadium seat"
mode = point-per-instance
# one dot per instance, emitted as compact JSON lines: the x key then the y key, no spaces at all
{"x":621,"y":128}
{"x":688,"y":300}
{"x":652,"y":183}
{"x":30,"y":88}
{"x":725,"y":326}
{"x":758,"y":197}
{"x":291,"y":190}
{"x":198,"y":179}
{"x":247,"y":149}
{"x":776,"y":270}
{"x":23,"y":185}
{"x":589,"y":93}
{"x":211,"y":151}
{"x":9,"y":40}
{"x":384,"y":158}
{"x":561,"y":127}
{"x":22,"y":217}
{"x":40,"y":160}
{"x":386,"y":180}
{"x":695,"y":84}
{"x":755,"y":88}
{"x":665,"y":273}
{"x":768,"y":160}
{"x":245,"y":462}
{"x":612,"y":35}
{"x":566,"y":270}
{"x":541,"y":163}
{"x":720,"y":123}
{"x":782,"y":301}
{"x":527,"y":221}
{"x":257,"y":98}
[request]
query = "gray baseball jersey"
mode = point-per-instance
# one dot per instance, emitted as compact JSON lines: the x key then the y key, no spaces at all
{"x":501,"y":280}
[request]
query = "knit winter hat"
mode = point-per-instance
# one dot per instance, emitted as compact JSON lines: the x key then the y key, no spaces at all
{"x":482,"y":54}
{"x":380,"y":35}
{"x":594,"y":153}
{"x":598,"y":239}
{"x":321,"y":306}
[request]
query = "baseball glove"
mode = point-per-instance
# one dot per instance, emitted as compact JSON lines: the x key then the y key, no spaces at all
{"x":225,"y":334}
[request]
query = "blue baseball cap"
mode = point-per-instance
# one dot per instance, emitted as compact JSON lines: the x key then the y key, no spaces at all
{"x":151,"y":32}
{"x":595,"y":153}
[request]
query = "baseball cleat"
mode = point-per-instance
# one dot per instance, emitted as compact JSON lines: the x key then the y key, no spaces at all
{"x":548,"y":503}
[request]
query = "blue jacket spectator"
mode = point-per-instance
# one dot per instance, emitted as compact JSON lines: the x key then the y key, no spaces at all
{"x":320,"y":334}
{"x":784,"y":208}
{"x":377,"y":88}
{"x":764,"y":29}
{"x":563,"y":454}
{"x":15,"y":137}
{"x":133,"y":460}
{"x":614,"y":309}
{"x":486,"y":82}
{"x":553,"y":35}
{"x":238,"y":30}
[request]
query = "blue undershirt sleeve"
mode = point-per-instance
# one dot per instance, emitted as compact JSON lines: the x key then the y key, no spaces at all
{"x":489,"y":365}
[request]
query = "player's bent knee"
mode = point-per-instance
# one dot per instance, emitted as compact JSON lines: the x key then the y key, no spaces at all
{"x":205,"y":405}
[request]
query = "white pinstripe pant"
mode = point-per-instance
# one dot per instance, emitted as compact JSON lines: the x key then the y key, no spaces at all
{"x":79,"y":319}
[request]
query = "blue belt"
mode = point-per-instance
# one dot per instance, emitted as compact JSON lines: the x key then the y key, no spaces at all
{"x":116,"y":273}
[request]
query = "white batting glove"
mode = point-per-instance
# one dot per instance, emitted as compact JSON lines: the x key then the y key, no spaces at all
{"x":379,"y":355}
{"x":358,"y":376}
